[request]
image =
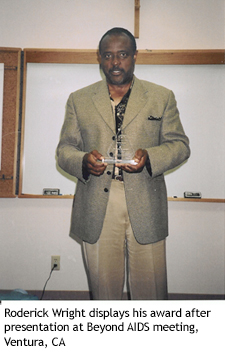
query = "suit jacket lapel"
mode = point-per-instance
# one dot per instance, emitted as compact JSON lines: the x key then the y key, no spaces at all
{"x":137,"y":101}
{"x":102,"y":104}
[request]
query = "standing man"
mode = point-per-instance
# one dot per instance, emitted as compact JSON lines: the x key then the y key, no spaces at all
{"x":120,"y":210}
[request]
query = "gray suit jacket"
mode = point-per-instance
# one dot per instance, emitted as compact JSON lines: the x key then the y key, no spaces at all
{"x":151,"y":122}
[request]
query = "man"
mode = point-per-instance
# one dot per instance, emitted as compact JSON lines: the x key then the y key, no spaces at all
{"x":120,"y":211}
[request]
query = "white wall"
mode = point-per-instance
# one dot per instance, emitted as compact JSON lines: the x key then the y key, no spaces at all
{"x":173,"y":24}
{"x":31,"y":230}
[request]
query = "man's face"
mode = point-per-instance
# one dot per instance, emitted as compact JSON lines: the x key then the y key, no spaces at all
{"x":117,"y":59}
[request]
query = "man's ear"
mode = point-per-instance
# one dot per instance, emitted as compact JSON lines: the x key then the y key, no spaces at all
{"x":99,"y":58}
{"x":135,"y":55}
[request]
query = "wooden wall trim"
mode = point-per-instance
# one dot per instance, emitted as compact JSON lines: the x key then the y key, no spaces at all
{"x":11,"y":57}
{"x":144,"y":56}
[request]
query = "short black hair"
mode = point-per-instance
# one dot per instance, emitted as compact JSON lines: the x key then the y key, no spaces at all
{"x":119,"y":31}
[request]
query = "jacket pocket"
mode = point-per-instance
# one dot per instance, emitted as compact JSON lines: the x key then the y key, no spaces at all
{"x":151,"y":117}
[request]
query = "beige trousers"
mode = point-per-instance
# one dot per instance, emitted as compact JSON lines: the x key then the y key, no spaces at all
{"x":106,"y":259}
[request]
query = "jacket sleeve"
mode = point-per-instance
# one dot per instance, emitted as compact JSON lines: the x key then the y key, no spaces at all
{"x":70,"y":148}
{"x":173,"y":148}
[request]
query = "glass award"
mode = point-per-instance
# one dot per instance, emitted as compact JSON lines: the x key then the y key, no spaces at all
{"x":120,"y":151}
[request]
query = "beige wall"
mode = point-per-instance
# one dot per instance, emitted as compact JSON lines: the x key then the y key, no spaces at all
{"x":31,"y":230}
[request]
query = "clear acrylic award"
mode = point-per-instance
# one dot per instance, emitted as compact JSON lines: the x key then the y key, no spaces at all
{"x":120,"y":151}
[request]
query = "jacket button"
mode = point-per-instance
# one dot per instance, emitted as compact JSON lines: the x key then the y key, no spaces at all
{"x":106,"y":189}
{"x":114,"y":138}
{"x":108,"y":172}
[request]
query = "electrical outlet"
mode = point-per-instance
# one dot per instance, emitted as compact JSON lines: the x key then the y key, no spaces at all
{"x":55,"y":259}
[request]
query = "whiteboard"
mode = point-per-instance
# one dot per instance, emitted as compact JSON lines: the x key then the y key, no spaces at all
{"x":200,"y":93}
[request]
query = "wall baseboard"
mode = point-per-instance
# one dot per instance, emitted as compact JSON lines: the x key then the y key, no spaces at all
{"x":85,"y":295}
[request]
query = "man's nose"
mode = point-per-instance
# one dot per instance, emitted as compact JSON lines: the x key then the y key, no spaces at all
{"x":115,"y":60}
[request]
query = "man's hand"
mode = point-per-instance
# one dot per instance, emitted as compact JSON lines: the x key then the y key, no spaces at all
{"x":141,"y":157}
{"x":91,"y":165}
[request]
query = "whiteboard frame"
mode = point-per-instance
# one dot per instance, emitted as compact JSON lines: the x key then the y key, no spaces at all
{"x":162,"y":57}
{"x":11,"y":57}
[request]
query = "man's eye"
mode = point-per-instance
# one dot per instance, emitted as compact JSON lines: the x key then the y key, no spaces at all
{"x":107,"y":56}
{"x":123,"y":54}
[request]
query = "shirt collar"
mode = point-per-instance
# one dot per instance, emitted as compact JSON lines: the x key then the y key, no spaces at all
{"x":125,"y":95}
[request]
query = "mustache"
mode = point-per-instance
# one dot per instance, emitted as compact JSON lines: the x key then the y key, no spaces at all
{"x":116,"y":69}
